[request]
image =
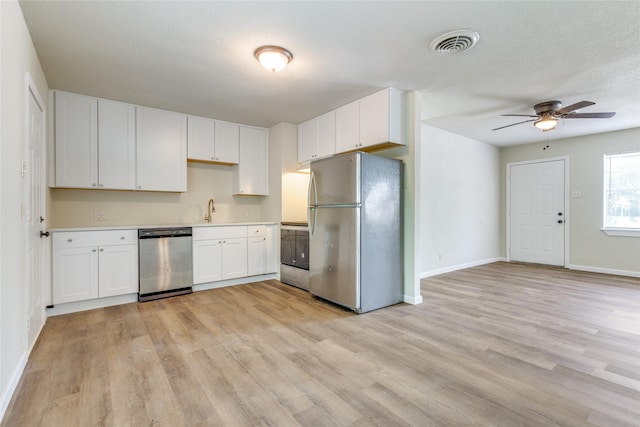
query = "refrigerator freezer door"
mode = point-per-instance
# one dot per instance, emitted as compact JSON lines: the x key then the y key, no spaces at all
{"x":336,"y":180}
{"x":334,"y":254}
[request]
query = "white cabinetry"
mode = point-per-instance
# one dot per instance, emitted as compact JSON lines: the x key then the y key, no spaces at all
{"x":219,"y":253}
{"x":76,"y":140}
{"x":161,"y":150}
{"x":317,"y":137}
{"x":375,"y":121}
{"x":94,"y":143}
{"x":235,"y":251}
{"x":213,"y":140}
{"x":116,"y":145}
{"x":348,"y":127}
{"x":94,"y":264}
{"x":250,"y":175}
{"x":256,"y":250}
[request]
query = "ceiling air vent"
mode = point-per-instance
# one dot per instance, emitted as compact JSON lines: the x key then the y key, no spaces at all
{"x":454,"y":42}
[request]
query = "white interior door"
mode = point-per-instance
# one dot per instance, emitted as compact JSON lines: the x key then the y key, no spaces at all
{"x":537,"y":212}
{"x":33,"y":212}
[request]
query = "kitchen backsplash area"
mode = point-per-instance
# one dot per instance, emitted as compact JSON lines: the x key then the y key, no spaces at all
{"x":96,"y":208}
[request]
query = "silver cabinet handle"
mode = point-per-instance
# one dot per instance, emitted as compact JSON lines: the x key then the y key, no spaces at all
{"x":93,"y":184}
{"x":93,"y":250}
{"x":101,"y":249}
{"x":121,"y":237}
{"x":69,"y":240}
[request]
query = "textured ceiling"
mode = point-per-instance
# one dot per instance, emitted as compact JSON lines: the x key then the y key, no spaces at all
{"x":197,"y":58}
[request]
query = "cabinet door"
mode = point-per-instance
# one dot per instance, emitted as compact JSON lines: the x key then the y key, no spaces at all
{"x":307,"y":140}
{"x":76,"y":140}
{"x":117,"y":270}
{"x":234,"y":258}
{"x":374,"y":118}
{"x":250,"y":176}
{"x":326,"y":134}
{"x":348,"y":127}
{"x":200,"y":138}
{"x":227,"y":142}
{"x":161,"y":150}
{"x":75,"y":274}
{"x":116,"y":145}
{"x":207,"y":261}
{"x":256,"y":255}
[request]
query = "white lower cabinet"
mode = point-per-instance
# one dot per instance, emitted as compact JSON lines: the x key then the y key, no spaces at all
{"x":234,"y":258}
{"x":94,"y":264}
{"x":117,"y":270}
{"x":75,"y":274}
{"x":257,"y":252}
{"x":231,"y":252}
{"x":207,"y":260}
{"x":219,"y":253}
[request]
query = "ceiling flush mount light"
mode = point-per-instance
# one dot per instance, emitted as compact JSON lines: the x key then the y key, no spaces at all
{"x":546,"y":122}
{"x":454,"y":42}
{"x":273,"y":58}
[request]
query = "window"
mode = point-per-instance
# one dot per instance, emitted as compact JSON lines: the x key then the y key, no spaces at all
{"x":622,"y":191}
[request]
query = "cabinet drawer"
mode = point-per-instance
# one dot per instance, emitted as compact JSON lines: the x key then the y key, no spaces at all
{"x":79,"y":239}
{"x":222,"y":232}
{"x":256,"y":230}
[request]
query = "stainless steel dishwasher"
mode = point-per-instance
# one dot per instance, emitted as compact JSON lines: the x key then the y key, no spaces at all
{"x":166,"y":266}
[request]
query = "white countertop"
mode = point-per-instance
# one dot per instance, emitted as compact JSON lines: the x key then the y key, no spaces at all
{"x":137,"y":227}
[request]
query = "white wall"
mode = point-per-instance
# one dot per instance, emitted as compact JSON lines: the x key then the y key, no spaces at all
{"x":590,"y":248}
{"x":17,"y":57}
{"x":460,"y":217}
{"x":75,"y":208}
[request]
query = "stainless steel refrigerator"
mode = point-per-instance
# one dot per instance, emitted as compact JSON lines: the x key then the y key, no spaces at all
{"x":355,"y":231}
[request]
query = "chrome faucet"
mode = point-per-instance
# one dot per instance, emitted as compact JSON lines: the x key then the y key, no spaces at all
{"x":210,"y":210}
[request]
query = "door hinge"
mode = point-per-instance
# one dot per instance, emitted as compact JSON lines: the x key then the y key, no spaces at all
{"x":23,"y":170}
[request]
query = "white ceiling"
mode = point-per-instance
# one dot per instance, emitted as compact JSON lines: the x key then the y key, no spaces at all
{"x":197,"y":58}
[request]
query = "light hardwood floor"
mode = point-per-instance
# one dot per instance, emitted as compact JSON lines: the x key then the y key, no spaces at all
{"x":497,"y":345}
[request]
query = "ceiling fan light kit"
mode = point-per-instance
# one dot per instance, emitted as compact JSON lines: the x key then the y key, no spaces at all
{"x":546,"y":123}
{"x":273,"y":58}
{"x":548,"y":114}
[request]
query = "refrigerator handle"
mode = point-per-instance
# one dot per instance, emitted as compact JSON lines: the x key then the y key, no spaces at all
{"x":312,"y":191}
{"x":310,"y":206}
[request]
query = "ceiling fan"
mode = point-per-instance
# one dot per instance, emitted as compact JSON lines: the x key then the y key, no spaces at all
{"x":549,"y":112}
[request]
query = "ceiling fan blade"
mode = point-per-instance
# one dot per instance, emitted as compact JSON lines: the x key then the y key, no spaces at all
{"x":517,"y":115}
{"x":576,"y":106}
{"x":588,"y":115}
{"x":519,"y":123}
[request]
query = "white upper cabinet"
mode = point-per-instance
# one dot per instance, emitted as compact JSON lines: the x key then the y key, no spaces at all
{"x":227,"y":139}
{"x":200,"y":139}
{"x":317,"y":137}
{"x":161,"y":150}
{"x":348,"y":127}
{"x":375,"y":121}
{"x":250,"y":175}
{"x":213,"y":140}
{"x":76,"y":140}
{"x":381,"y":118}
{"x":116,"y":145}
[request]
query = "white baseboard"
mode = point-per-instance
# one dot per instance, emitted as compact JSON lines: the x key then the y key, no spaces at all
{"x":11,"y":386}
{"x":411,"y":299}
{"x":460,"y":267}
{"x":604,"y":270}
{"x":233,"y":282}
{"x":73,"y":307}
